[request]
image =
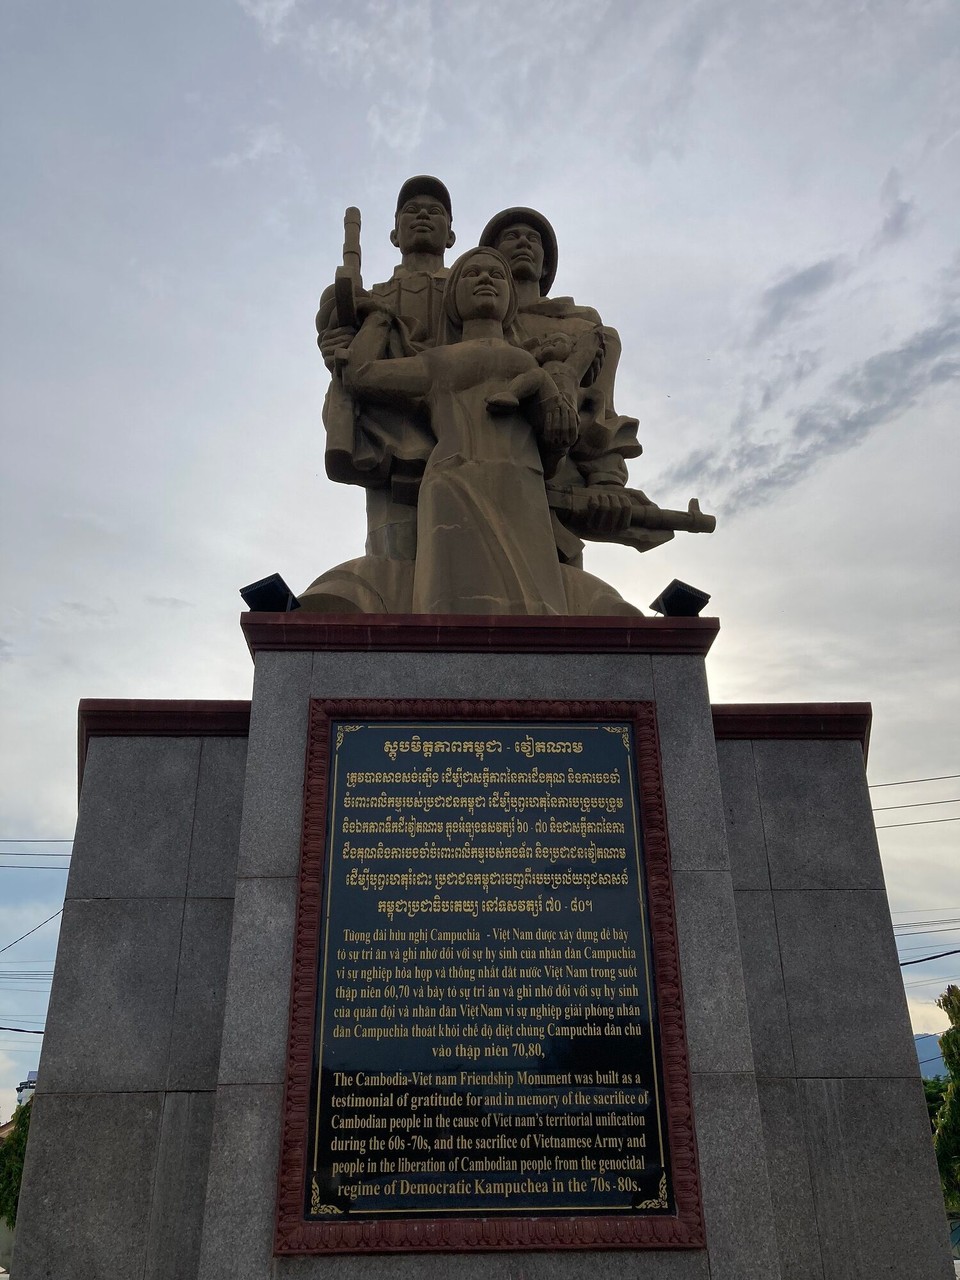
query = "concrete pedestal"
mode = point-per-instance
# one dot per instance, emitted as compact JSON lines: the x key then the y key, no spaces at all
{"x":156,"y":1124}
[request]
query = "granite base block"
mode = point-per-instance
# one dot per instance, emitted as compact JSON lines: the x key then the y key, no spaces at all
{"x":691,"y":778}
{"x":741,"y":1236}
{"x":242,"y":1184}
{"x":718,"y":1032}
{"x":817,"y":821}
{"x":179,"y":1188}
{"x":744,"y":822}
{"x":112,"y":1000}
{"x":763,"y":979}
{"x":273,"y":793}
{"x":216,"y":825}
{"x":878,"y":1204}
{"x":791,"y":1190}
{"x":568,"y":1265}
{"x":136,"y":816}
{"x":482,"y":675}
{"x":253,"y":1048}
{"x":87,"y":1217}
{"x":197,"y":1027}
{"x":845,"y":999}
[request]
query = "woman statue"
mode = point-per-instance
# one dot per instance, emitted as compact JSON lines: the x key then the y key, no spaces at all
{"x":485,"y":542}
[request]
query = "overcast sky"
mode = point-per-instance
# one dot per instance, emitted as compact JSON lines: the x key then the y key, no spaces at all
{"x":764,"y":200}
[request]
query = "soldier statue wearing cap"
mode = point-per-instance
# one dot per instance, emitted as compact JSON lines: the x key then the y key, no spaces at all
{"x":507,"y":494}
{"x":385,"y":449}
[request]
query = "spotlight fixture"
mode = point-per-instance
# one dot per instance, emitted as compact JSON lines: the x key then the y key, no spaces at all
{"x":269,"y":595}
{"x":680,"y":600}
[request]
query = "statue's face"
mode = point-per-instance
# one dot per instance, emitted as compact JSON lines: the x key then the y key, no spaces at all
{"x":423,"y":226}
{"x":483,"y":290}
{"x":522,"y":247}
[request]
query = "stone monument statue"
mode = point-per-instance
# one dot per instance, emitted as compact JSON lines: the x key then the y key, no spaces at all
{"x":478,"y":414}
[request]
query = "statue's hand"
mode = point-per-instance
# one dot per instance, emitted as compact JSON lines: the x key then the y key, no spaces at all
{"x":560,"y":422}
{"x":608,"y":510}
{"x":331,"y":341}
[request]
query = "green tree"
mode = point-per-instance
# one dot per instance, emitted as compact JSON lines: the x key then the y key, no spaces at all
{"x":11,"y":1163}
{"x":946,"y":1133}
{"x":933,"y":1090}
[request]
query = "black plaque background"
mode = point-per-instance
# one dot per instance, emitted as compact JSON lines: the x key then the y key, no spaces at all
{"x":614,"y":1051}
{"x":351,"y":1233}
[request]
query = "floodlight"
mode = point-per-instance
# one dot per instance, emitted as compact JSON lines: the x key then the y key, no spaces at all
{"x":680,"y":600}
{"x":269,"y":595}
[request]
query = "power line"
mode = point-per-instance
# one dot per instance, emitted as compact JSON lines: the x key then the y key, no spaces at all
{"x":955,"y":952}
{"x":33,"y":853}
{"x":911,"y":933}
{"x":923,"y":1061}
{"x":881,"y":808}
{"x":925,"y":822}
{"x":906,"y":782}
{"x":30,"y":866}
{"x":31,"y":840}
{"x":29,"y":931}
{"x":27,"y":1031}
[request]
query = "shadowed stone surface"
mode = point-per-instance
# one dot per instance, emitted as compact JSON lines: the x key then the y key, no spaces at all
{"x":201,"y":986}
{"x":741,"y":807}
{"x":258,"y":984}
{"x":273,"y":796}
{"x":718,"y":1033}
{"x":733,"y":1175}
{"x":176,"y":1219}
{"x":816,"y":816}
{"x":570,"y":676}
{"x":763,"y":979}
{"x":691,"y":781}
{"x":616,"y":1264}
{"x":112,"y":999}
{"x":136,"y":818}
{"x":879,"y":1209}
{"x":242,"y":1184}
{"x":87,"y":1217}
{"x":845,"y":999}
{"x":790,"y":1186}
{"x":216,"y":825}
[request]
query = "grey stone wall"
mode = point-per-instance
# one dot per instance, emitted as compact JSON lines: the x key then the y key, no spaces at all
{"x":848,"y":1145}
{"x":241,"y":1189}
{"x":156,"y":1126}
{"x":116,"y":1167}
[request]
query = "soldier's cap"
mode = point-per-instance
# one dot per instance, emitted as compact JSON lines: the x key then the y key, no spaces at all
{"x":424,"y":185}
{"x":509,"y":218}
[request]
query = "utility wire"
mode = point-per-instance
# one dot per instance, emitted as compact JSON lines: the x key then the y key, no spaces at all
{"x":955,"y":952}
{"x":27,"y":1031}
{"x":910,"y":933}
{"x":29,"y":931}
{"x":881,"y":808}
{"x":912,"y":911}
{"x":906,"y":782}
{"x":31,"y":840}
{"x":925,"y":822}
{"x":33,"y":853}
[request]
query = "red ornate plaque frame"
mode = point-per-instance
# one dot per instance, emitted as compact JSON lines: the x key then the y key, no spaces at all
{"x":684,"y":1229}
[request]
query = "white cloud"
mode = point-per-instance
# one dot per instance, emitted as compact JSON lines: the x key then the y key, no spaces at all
{"x":926,"y":1017}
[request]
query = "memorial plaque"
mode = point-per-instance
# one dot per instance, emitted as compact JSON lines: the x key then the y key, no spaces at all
{"x":486,"y":1032}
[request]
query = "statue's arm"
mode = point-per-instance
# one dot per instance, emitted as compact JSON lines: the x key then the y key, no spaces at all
{"x":368,"y":376}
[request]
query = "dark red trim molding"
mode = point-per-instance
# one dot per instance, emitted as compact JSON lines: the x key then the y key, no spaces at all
{"x":819,"y":720}
{"x":295,"y":1235}
{"x":445,"y":633}
{"x":157,"y":717}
